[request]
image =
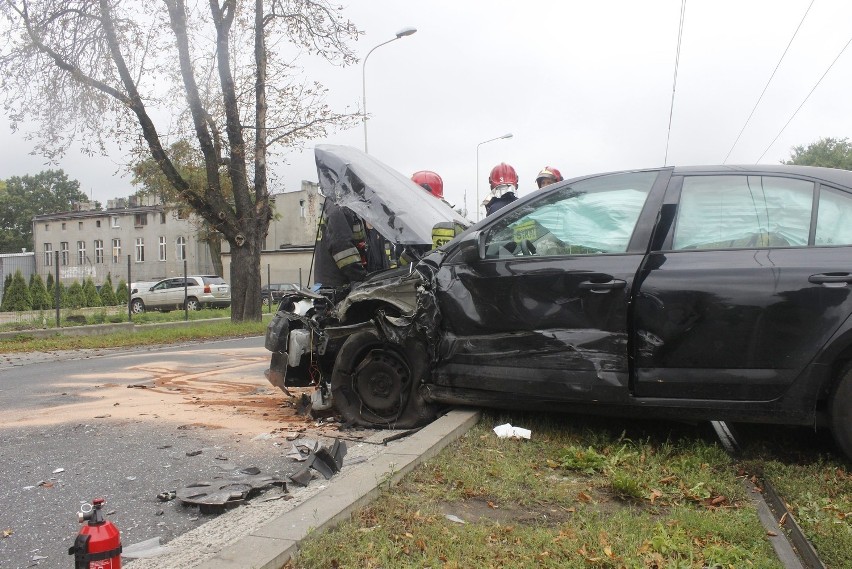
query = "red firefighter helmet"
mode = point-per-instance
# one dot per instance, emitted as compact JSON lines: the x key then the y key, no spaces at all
{"x":503,"y":174}
{"x":548,"y":173}
{"x":430,"y":181}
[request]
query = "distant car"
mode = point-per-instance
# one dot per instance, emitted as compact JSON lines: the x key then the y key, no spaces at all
{"x":276,"y":291}
{"x":168,"y":294}
{"x":719,"y":293}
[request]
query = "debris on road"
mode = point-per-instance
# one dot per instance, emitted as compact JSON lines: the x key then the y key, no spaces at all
{"x":214,"y":497}
{"x":193,"y":453}
{"x":326,"y":461}
{"x":145,"y":549}
{"x":167,"y":495}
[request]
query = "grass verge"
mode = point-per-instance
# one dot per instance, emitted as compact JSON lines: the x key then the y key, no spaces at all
{"x":581,"y":493}
{"x":201,"y":330}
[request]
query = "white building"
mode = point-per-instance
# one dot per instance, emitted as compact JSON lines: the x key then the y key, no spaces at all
{"x":151,"y":241}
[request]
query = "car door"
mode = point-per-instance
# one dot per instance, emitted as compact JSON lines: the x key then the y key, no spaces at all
{"x":158,"y":296}
{"x":544,"y":314}
{"x":748,"y":284}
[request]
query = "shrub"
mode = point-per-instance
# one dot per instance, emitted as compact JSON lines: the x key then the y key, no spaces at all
{"x":76,"y":297}
{"x":108,"y":293}
{"x":51,"y":291}
{"x":121,"y":295}
{"x":17,"y":296}
{"x":91,"y":293}
{"x":38,"y":293}
{"x":6,"y":286}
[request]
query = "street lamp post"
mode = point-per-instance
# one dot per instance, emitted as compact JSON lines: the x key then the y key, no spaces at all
{"x":507,"y":135}
{"x":400,"y":34}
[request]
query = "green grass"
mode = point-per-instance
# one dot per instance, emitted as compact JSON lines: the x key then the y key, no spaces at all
{"x":109,"y":315}
{"x":807,"y":471}
{"x":207,"y":324}
{"x":581,"y":493}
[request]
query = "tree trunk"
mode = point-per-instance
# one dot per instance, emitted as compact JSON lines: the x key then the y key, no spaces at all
{"x":246,"y":280}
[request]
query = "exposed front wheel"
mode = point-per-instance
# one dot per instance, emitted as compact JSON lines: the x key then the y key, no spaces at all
{"x":192,"y":304}
{"x":840,"y":410}
{"x":378,"y":384}
{"x":137,"y":306}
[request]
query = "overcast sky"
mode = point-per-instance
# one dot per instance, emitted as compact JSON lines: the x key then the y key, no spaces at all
{"x":583,"y":86}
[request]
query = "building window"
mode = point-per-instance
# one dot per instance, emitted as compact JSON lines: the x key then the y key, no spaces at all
{"x":63,"y":253}
{"x":140,"y":249}
{"x":97,"y":223}
{"x":79,"y":225}
{"x":114,"y":220}
{"x":47,"y":227}
{"x":48,"y":254}
{"x":63,"y":226}
{"x":180,"y":248}
{"x":162,"y":248}
{"x":99,"y":250}
{"x":140,"y":219}
{"x":81,"y":252}
{"x":162,"y":217}
{"x":116,"y":250}
{"x":302,"y":209}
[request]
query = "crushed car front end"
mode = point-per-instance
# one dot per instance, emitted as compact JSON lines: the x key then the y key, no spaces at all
{"x":369,"y":355}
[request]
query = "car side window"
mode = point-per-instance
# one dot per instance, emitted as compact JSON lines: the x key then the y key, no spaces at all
{"x":743,"y":212}
{"x":834,"y":218}
{"x":592,"y":216}
{"x":161,"y":286}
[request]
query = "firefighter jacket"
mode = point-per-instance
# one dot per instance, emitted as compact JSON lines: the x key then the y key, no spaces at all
{"x":494,"y":204}
{"x":340,"y":241}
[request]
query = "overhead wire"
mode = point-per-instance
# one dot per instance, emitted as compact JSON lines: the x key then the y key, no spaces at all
{"x":760,"y":98}
{"x":777,"y":136}
{"x":674,"y":83}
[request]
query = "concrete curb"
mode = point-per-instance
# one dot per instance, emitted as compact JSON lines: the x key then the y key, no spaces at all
{"x":277,"y":541}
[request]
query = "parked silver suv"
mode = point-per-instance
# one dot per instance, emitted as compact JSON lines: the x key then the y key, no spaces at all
{"x":168,"y":294}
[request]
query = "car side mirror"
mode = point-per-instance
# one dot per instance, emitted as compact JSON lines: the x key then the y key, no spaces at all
{"x":472,"y":247}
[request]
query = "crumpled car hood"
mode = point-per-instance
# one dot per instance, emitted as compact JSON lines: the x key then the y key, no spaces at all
{"x":399,"y":209}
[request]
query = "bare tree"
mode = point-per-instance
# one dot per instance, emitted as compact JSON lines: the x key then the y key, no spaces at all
{"x":222,"y":74}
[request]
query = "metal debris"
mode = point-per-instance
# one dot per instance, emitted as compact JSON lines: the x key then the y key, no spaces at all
{"x":219,"y":494}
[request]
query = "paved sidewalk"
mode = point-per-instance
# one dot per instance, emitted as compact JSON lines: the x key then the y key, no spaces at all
{"x":265,"y":536}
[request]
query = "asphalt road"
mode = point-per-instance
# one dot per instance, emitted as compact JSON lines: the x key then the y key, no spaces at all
{"x":73,"y":431}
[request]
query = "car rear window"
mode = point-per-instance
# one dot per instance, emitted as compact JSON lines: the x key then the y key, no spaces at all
{"x":214,"y":280}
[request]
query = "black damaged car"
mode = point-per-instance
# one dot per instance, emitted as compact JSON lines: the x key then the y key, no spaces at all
{"x":699,"y":293}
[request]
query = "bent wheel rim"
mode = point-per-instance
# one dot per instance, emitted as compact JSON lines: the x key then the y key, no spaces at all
{"x":381,"y":382}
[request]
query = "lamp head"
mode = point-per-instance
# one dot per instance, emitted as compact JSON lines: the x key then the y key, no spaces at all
{"x":405,"y":32}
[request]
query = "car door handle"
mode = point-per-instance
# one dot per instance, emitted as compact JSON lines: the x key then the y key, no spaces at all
{"x":602,"y":287}
{"x":830,"y":278}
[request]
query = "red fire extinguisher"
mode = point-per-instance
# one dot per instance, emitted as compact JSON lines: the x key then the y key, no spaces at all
{"x":98,"y":545}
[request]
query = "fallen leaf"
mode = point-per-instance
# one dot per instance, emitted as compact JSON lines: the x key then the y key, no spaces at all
{"x":492,"y":505}
{"x":608,"y":552}
{"x":583,"y":497}
{"x":654,"y":495}
{"x":718,"y":500}
{"x":783,"y":519}
{"x":421,"y":545}
{"x":552,"y":463}
{"x":771,"y":533}
{"x":7,"y":532}
{"x":667,"y":480}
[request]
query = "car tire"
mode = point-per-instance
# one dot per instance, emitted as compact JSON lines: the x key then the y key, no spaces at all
{"x":137,"y":306}
{"x":377,"y":384}
{"x":192,"y":304}
{"x":840,"y":412}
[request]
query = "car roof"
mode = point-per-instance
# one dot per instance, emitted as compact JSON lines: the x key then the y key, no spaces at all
{"x":831,"y":175}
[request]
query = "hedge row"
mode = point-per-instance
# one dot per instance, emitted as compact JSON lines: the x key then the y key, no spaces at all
{"x":38,"y":295}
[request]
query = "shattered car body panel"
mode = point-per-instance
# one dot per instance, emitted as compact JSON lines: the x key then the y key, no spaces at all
{"x":718,"y":293}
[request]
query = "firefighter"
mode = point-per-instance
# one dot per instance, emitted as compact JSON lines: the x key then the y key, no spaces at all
{"x":548,"y":175}
{"x":339,"y":249}
{"x":380,"y":251}
{"x":504,"y":183}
